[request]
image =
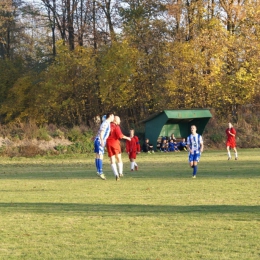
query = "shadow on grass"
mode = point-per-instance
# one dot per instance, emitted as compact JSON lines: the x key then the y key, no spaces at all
{"x":130,"y":209}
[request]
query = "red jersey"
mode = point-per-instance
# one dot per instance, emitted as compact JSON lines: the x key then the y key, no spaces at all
{"x":133,"y":146}
{"x":231,"y":140}
{"x":115,"y":135}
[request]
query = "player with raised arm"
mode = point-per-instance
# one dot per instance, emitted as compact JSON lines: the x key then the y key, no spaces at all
{"x":114,"y":148}
{"x":195,"y":148}
{"x":100,"y":143}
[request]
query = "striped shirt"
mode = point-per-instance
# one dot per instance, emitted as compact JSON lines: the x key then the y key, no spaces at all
{"x":105,"y":127}
{"x":194,"y":142}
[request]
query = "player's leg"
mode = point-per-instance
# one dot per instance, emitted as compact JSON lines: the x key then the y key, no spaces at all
{"x":99,"y":150}
{"x":119,"y":163}
{"x":112,"y":156}
{"x":235,"y":150}
{"x":132,"y":164}
{"x":96,"y":151}
{"x":136,"y":166}
{"x":195,"y":169}
{"x":100,"y":164}
{"x":133,"y":157}
{"x":113,"y":165}
{"x":228,"y":152}
{"x":193,"y":160}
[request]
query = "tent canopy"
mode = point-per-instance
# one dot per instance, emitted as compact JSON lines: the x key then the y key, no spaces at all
{"x":177,"y":122}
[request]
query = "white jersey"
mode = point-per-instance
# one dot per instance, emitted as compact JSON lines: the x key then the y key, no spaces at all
{"x":194,"y":142}
{"x":105,"y":126}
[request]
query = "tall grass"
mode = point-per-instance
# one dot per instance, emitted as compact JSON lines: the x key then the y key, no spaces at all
{"x":56,"y":208}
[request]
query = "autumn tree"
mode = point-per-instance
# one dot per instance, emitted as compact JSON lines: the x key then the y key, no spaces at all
{"x":146,"y":31}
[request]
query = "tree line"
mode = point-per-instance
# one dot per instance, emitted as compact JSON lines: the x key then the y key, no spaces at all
{"x":68,"y":61}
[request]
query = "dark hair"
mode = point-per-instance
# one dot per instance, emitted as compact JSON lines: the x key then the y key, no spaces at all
{"x":109,"y":114}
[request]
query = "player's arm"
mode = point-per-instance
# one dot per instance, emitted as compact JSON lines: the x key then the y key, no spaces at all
{"x":188,"y":145}
{"x":101,"y":135}
{"x":126,"y":137}
{"x":188,"y":148}
{"x":120,"y":135}
{"x":233,"y":132}
{"x":127,"y":146}
{"x":201,"y":146}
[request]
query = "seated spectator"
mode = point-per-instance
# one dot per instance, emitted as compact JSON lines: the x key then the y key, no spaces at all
{"x":147,"y":147}
{"x":164,"y":146}
{"x":173,"y":146}
{"x":176,"y":149}
{"x":172,"y":137}
{"x":163,"y":138}
{"x":159,"y":142}
{"x":182,"y":145}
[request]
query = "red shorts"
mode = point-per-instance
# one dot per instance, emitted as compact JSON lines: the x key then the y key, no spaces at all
{"x":111,"y":150}
{"x":231,"y":144}
{"x":132,"y":155}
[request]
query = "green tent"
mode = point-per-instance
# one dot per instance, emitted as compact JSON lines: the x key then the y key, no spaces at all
{"x":175,"y":121}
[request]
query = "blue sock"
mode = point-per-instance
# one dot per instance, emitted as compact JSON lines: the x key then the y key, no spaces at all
{"x":100,"y":166}
{"x":195,"y":168}
{"x":96,"y":162}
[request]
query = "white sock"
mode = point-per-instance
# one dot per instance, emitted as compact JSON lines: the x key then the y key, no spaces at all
{"x":114,"y":169}
{"x":235,"y":154}
{"x":120,"y":167}
{"x":135,"y":164}
{"x":229,"y":155}
{"x":132,"y":165}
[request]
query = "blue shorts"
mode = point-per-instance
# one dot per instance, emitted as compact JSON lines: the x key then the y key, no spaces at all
{"x":194,"y":157}
{"x":97,"y":147}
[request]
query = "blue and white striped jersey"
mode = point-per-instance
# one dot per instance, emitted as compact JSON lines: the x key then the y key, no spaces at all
{"x":105,"y":126}
{"x":194,"y":142}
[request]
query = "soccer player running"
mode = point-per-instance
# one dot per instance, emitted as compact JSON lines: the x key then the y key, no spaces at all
{"x":195,"y":148}
{"x":100,"y":143}
{"x":114,"y":148}
{"x":231,"y":140}
{"x":132,"y":148}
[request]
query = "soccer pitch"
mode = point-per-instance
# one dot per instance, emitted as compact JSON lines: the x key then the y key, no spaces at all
{"x":57,"y":208}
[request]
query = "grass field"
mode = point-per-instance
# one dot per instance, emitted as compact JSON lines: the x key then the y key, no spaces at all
{"x":57,"y":208}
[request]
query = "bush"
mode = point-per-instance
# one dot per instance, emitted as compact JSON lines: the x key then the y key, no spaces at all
{"x":74,"y":134}
{"x":61,"y":148}
{"x":216,"y":138}
{"x":82,"y":138}
{"x":43,"y":134}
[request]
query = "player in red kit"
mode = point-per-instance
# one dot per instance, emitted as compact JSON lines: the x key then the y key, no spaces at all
{"x":114,"y":148}
{"x":132,"y":148}
{"x":231,"y":140}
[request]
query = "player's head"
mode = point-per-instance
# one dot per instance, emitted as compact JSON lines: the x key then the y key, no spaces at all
{"x":117,"y":120}
{"x":230,"y":125}
{"x":147,"y":140}
{"x":193,"y":129}
{"x":109,"y":116}
{"x":132,"y":132}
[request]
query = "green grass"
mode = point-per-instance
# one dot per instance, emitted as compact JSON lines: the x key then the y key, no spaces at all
{"x":56,"y":208}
